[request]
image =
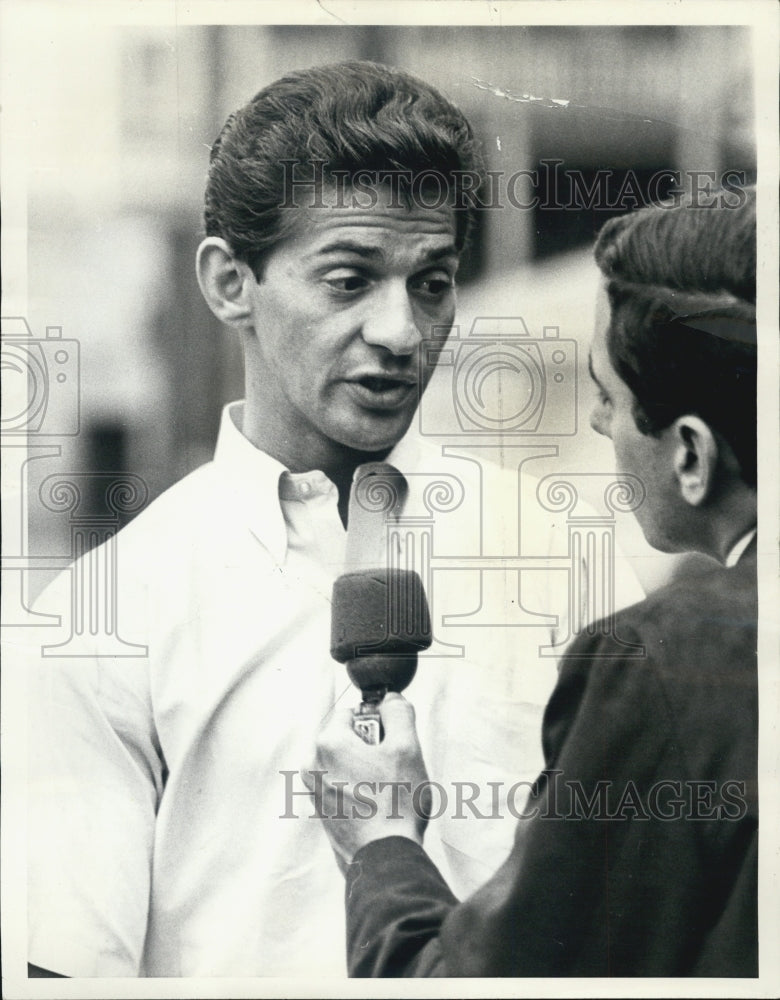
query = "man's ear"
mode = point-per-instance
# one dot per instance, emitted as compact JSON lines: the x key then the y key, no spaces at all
{"x":224,"y":281}
{"x":695,"y":458}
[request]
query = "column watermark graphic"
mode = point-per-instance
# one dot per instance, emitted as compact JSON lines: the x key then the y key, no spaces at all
{"x":41,"y":405}
{"x":592,"y":597}
{"x":589,"y":562}
{"x":94,"y":570}
{"x":511,"y":396}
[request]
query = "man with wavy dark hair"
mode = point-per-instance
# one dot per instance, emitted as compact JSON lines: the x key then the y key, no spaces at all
{"x":637,"y":852}
{"x":162,"y":841}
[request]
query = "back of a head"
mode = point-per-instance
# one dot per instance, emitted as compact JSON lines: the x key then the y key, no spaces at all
{"x":351,"y":117}
{"x":681,"y":282}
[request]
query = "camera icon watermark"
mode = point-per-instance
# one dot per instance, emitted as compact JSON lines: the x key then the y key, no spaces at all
{"x":503,"y":381}
{"x":40,"y":381}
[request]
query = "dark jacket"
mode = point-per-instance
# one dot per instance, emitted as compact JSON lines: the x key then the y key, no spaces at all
{"x":639,"y":853}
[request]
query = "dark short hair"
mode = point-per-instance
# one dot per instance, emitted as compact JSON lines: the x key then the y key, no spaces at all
{"x":353,"y":116}
{"x":681,"y":283}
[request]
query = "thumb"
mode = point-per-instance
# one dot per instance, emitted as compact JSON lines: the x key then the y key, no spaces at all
{"x":398,"y":719}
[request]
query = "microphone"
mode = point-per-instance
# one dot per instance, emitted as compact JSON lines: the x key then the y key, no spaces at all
{"x":379,"y":618}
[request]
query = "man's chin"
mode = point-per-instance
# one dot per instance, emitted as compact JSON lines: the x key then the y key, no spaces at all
{"x":661,"y":543}
{"x":373,"y":451}
{"x":376,"y":440}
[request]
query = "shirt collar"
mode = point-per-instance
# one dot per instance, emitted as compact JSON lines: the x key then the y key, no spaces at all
{"x":252,"y":478}
{"x":738,"y":550}
{"x":259,"y":483}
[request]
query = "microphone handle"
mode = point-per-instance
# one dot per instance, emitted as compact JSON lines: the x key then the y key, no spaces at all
{"x":367,"y":722}
{"x":375,"y":675}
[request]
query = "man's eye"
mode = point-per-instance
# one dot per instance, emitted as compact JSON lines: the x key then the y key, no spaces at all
{"x":346,"y":282}
{"x":435,"y":285}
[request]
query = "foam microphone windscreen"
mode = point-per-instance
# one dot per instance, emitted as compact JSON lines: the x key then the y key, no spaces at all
{"x":379,"y":611}
{"x":379,"y":623}
{"x":379,"y":616}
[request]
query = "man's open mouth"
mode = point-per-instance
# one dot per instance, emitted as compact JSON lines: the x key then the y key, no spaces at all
{"x":382,"y":383}
{"x":384,"y":392}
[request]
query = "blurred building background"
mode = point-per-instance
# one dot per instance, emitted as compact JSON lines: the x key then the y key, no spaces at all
{"x":121,"y":121}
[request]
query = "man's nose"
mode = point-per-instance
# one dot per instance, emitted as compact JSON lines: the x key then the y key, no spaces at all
{"x":391,"y":323}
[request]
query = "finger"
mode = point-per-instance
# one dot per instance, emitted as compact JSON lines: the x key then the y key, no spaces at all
{"x":337,"y":736}
{"x":334,"y":728}
{"x":398,"y":719}
{"x":339,"y":716}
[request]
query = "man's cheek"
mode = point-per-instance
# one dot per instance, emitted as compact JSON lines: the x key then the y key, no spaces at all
{"x":427,"y":363}
{"x":625,"y":456}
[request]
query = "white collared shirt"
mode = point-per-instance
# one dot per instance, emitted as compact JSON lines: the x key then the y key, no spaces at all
{"x":164,"y":835}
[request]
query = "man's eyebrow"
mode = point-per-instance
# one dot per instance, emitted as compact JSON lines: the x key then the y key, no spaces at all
{"x":448,"y":251}
{"x":349,"y":246}
{"x":343,"y":245}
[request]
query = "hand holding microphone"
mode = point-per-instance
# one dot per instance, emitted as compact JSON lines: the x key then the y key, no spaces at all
{"x":380,"y":621}
{"x":380,"y":618}
{"x":367,"y":792}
